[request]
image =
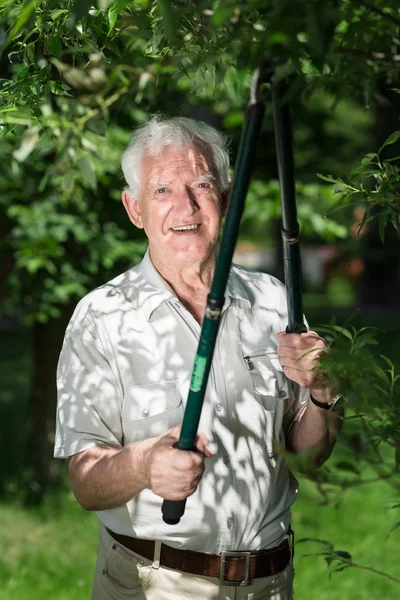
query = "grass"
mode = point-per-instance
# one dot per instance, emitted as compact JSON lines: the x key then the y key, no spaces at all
{"x":50,"y":552}
{"x":358,"y":524}
{"x":47,"y":553}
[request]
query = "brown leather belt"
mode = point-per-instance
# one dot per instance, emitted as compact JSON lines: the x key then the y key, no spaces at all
{"x":232,"y":568}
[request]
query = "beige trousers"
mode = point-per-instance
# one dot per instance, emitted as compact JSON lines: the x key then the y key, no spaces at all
{"x":124,"y":575}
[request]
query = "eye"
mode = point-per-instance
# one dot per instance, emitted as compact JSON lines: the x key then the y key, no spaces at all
{"x":203,"y":184}
{"x":161,"y":190}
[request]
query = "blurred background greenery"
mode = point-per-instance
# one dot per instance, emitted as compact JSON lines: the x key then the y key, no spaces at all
{"x":76,"y":78}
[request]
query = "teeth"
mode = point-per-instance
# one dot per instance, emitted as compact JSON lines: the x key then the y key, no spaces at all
{"x":185,"y":228}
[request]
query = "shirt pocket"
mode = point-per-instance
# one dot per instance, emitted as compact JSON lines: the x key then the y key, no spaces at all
{"x":266,"y":375}
{"x":265,"y":372}
{"x":150,"y":410}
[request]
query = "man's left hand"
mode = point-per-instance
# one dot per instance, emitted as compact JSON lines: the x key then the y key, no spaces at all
{"x":299,"y":354}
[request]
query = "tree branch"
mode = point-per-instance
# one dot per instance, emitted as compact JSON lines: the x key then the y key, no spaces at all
{"x":378,"y":11}
{"x":372,"y":570}
{"x":106,"y":104}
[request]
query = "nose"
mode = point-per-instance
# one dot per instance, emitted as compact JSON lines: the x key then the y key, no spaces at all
{"x":186,"y":201}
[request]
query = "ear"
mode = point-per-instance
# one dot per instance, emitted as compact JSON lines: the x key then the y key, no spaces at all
{"x":132,"y":207}
{"x":225,"y":198}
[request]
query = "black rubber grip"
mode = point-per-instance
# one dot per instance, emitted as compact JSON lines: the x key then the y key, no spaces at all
{"x":172,"y":511}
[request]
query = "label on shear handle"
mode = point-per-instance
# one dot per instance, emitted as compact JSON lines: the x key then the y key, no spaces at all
{"x":198,"y":373}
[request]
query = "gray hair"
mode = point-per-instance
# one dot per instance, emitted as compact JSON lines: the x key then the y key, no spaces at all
{"x":157,"y":133}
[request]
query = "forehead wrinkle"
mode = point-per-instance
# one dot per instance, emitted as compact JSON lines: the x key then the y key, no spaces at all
{"x":158,"y":168}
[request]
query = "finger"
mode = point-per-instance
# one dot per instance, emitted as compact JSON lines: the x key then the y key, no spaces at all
{"x":303,"y":377}
{"x":299,"y":340}
{"x":173,"y":494}
{"x":186,"y":460}
{"x":299,"y":365}
{"x":202,"y":444}
{"x":172,"y":477}
{"x":297,"y":354}
{"x":174,"y":431}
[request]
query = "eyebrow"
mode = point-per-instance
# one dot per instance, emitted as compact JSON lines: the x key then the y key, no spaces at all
{"x":157,"y":182}
{"x":206,"y":176}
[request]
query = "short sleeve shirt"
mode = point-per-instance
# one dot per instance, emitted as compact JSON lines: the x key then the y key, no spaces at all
{"x":124,"y":374}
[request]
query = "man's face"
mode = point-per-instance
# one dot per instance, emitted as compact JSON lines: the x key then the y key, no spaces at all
{"x":180,"y":206}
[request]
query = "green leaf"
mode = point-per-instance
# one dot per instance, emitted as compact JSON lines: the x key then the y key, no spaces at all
{"x":103,"y":4}
{"x":222,"y":14}
{"x":56,"y":47}
{"x":34,"y":264}
{"x":112,"y":46}
{"x":345,"y":332}
{"x":69,"y":179}
{"x":387,"y":360}
{"x":21,"y":21}
{"x":368,"y":158}
{"x":88,"y":170}
{"x":395,"y":222}
{"x":169,"y":20}
{"x":140,"y":3}
{"x":97,"y":125}
{"x":112,"y":17}
{"x":392,"y":139}
{"x":328,"y":178}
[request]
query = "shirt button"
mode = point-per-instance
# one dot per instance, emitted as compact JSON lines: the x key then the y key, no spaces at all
{"x":226,"y":460}
{"x":145,"y":412}
{"x":229,"y":522}
{"x":219,"y":407}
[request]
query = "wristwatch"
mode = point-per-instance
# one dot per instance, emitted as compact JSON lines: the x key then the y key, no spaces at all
{"x":327,"y":405}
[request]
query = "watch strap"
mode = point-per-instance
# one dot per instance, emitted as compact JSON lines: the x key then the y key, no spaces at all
{"x":326,"y":405}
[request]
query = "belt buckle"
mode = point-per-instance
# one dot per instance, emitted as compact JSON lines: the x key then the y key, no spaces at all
{"x":224,"y":556}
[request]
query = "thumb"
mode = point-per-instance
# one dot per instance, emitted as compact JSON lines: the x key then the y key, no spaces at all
{"x":202,"y":445}
{"x":174,"y":432}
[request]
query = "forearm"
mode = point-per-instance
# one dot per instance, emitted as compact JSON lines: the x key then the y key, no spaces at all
{"x":104,"y":477}
{"x":316,"y":430}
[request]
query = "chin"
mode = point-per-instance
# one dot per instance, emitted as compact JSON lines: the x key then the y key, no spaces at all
{"x":189,"y":255}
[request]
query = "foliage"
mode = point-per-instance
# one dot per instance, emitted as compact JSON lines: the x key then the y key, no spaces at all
{"x":65,"y":235}
{"x":76,"y":75}
{"x":384,"y":195}
{"x":263,"y":207}
{"x":370,"y":441}
{"x":370,"y":386}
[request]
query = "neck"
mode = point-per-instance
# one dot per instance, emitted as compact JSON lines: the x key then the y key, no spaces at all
{"x":197,"y":276}
{"x":190,"y":282}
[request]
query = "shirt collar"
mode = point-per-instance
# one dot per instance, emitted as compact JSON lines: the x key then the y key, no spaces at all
{"x":155,"y":291}
{"x":236,"y":288}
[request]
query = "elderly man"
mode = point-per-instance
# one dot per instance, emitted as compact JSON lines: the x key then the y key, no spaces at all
{"x":123,"y":379}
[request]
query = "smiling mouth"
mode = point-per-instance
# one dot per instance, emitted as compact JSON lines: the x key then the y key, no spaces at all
{"x":186,"y":228}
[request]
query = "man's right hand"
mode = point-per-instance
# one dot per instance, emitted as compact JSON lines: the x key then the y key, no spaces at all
{"x":169,"y":472}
